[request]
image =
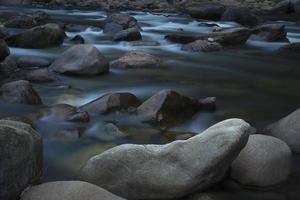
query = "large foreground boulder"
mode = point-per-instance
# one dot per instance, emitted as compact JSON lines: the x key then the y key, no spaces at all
{"x":68,"y":190}
{"x":136,"y":59}
{"x":111,"y":102}
{"x":20,"y":92}
{"x":117,"y":22}
{"x":20,"y":157}
{"x":265,"y":161}
{"x":172,"y":170}
{"x":271,"y":32}
{"x":287,"y":129}
{"x":241,"y":15}
{"x":4,"y":50}
{"x":81,"y":59}
{"x":38,"y":37}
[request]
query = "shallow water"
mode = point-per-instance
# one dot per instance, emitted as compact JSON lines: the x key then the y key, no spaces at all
{"x":253,"y":82}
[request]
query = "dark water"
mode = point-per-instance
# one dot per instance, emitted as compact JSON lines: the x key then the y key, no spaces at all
{"x":253,"y":82}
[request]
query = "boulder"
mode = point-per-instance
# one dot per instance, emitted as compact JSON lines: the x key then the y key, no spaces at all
{"x":130,"y":34}
{"x":27,"y":21}
{"x":40,"y":76}
{"x":208,"y":103}
{"x":166,"y":107}
{"x":265,"y":161}
{"x":117,"y":22}
{"x":291,"y":48}
{"x":231,"y":36}
{"x":283,"y":6}
{"x":16,"y":2}
{"x":3,"y":31}
{"x":8,"y":67}
{"x":208,"y":11}
{"x":135,"y":60}
{"x":202,"y":46}
{"x":32,"y":62}
{"x":65,"y":112}
{"x":169,"y":171}
{"x":21,"y":155}
{"x":241,"y":15}
{"x":287,"y":129}
{"x":68,"y":190}
{"x":38,"y":37}
{"x":20,"y":92}
{"x":271,"y":32}
{"x":81,"y":59}
{"x":111,"y":102}
{"x":4,"y":50}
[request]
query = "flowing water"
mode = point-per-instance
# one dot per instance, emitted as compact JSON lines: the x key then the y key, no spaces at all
{"x":253,"y":82}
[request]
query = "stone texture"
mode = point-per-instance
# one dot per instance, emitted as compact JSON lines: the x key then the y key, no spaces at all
{"x":202,"y":46}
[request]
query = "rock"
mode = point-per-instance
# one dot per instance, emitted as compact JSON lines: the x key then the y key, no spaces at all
{"x":104,"y":132}
{"x":8,"y":67}
{"x":117,"y":22}
{"x":64,"y":112}
{"x":283,"y":6}
{"x":202,"y":46}
{"x":3,"y":31}
{"x":287,"y":129}
{"x":241,"y":15}
{"x":20,"y":92}
{"x":231,"y":36}
{"x":38,"y":37}
{"x":291,"y":48}
{"x":4,"y":50}
{"x":167,"y":106}
{"x":20,"y":156}
{"x":136,"y":59}
{"x":33,"y":62}
{"x":296,"y":6}
{"x":78,"y":39}
{"x":68,"y":190}
{"x":111,"y":102}
{"x":265,"y":161}
{"x":130,"y":34}
{"x":208,"y":103}
{"x":271,"y":32}
{"x":16,"y":2}
{"x":76,"y":27}
{"x":208,"y":11}
{"x":172,"y":170}
{"x":81,"y":59}
{"x":28,"y":21}
{"x":40,"y":76}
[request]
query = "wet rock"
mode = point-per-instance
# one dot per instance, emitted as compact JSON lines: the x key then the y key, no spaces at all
{"x":28,"y":21}
{"x":208,"y":11}
{"x":136,"y":59}
{"x":271,"y":32}
{"x":40,"y":76}
{"x":104,"y":132}
{"x":68,"y":190}
{"x":76,"y":27}
{"x":117,"y":22}
{"x":202,"y":46}
{"x":130,"y":34}
{"x":167,"y":106}
{"x":291,"y":48}
{"x":135,"y":171}
{"x":144,"y":43}
{"x":32,"y":62}
{"x":111,"y":102}
{"x":287,"y":129}
{"x":20,"y":92}
{"x":283,"y":6}
{"x":241,"y":15}
{"x":16,"y":2}
{"x":8,"y":67}
{"x":20,"y":156}
{"x":265,"y":161}
{"x":208,"y":103}
{"x":3,"y":31}
{"x":81,"y":59}
{"x":64,"y":112}
{"x":38,"y":37}
{"x":4,"y":50}
{"x":77,"y":39}
{"x":231,"y":36}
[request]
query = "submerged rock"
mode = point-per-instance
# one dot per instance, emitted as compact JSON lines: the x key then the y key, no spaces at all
{"x":172,"y":170}
{"x":265,"y":161}
{"x":287,"y":129}
{"x":68,"y":190}
{"x":33,"y":62}
{"x":20,"y":92}
{"x":20,"y":156}
{"x":38,"y":37}
{"x":271,"y":32}
{"x":130,"y":34}
{"x":202,"y":46}
{"x":241,"y":15}
{"x":111,"y":102}
{"x":81,"y":59}
{"x":4,"y":50}
{"x":291,"y":48}
{"x":117,"y":22}
{"x":136,"y":59}
{"x":104,"y":132}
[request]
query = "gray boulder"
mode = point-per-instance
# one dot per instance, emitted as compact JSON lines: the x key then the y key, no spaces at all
{"x":271,"y":32}
{"x":130,"y":34}
{"x":117,"y":22}
{"x":32,"y":62}
{"x":8,"y":67}
{"x":172,"y":170}
{"x":20,"y":157}
{"x":265,"y":161}
{"x":20,"y":92}
{"x":68,"y":190}
{"x":287,"y":129}
{"x":27,"y":21}
{"x":136,"y":59}
{"x":40,"y":76}
{"x":202,"y":46}
{"x":81,"y":59}
{"x":241,"y":15}
{"x":111,"y":102}
{"x":4,"y":50}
